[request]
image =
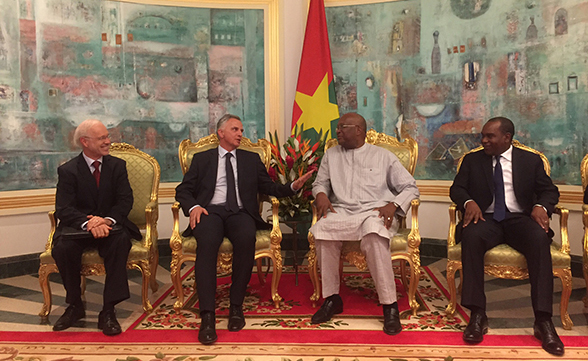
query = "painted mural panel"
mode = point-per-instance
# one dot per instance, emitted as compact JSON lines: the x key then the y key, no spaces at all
{"x":154,"y":74}
{"x":438,"y":69}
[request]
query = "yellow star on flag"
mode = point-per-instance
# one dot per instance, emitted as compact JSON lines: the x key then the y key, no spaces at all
{"x":317,"y":111}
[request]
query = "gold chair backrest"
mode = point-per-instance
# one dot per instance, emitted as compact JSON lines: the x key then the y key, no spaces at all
{"x":516,"y":144}
{"x":584,"y":171}
{"x":187,"y":149}
{"x":144,"y":176}
{"x":407,"y":151}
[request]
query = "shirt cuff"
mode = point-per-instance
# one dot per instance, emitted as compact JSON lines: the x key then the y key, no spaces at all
{"x":466,"y":203}
{"x":190,"y":211}
{"x":539,"y":205}
{"x":85,"y":226}
{"x":112,"y":220}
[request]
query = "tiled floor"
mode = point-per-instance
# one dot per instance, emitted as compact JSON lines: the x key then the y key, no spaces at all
{"x":509,"y":304}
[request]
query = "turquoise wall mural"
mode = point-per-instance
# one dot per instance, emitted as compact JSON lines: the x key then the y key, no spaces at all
{"x":154,"y":74}
{"x":438,"y":69}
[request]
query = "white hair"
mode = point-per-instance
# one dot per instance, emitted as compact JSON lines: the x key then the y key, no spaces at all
{"x":83,"y":129}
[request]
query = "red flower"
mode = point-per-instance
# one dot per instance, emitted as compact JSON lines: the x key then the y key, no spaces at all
{"x":307,"y":193}
{"x":289,"y":161}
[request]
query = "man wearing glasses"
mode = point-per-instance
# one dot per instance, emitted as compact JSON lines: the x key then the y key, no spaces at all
{"x":92,"y":202}
{"x":358,"y":191}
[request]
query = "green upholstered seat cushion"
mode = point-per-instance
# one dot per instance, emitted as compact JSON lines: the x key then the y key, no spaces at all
{"x":90,"y":256}
{"x":504,"y":255}
{"x":263,"y":241}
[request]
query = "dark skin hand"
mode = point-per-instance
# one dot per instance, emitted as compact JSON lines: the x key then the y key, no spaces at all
{"x":323,"y":206}
{"x":387,"y":212}
{"x":474,"y":213}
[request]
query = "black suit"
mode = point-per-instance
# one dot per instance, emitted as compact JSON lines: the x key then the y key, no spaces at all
{"x":77,"y":197}
{"x":531,"y":186}
{"x":197,"y":188}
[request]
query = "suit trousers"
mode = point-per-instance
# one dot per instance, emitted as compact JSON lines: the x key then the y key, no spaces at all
{"x":240,"y":229}
{"x":523,"y":234}
{"x":115,"y":251}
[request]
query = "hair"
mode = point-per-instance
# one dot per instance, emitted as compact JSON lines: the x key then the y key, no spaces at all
{"x":83,"y":129}
{"x":506,"y":125}
{"x":224,"y":119}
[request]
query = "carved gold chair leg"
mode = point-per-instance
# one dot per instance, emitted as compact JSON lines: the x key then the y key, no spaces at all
{"x":260,"y":274}
{"x":565,"y":275}
{"x":44,"y":272}
{"x":154,"y":264}
{"x":176,"y":266}
{"x":415,"y":275}
{"x":585,"y":299}
{"x":403,"y":275}
{"x":313,"y":271}
{"x":145,"y":270}
{"x":277,"y":274}
{"x":83,"y":286}
{"x":452,"y":267}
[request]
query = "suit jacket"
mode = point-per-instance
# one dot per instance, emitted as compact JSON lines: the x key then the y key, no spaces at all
{"x":78,"y":196}
{"x":199,"y":183}
{"x":531,"y":184}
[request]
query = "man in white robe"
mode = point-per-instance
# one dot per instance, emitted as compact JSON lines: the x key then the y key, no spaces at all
{"x":359,"y":190}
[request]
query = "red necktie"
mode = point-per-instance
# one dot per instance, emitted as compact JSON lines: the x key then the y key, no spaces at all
{"x":96,"y":173}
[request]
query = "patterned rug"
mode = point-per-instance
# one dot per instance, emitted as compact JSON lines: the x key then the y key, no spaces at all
{"x":362,"y":312}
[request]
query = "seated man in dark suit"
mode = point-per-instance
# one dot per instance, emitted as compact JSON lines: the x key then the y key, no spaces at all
{"x":506,"y":197}
{"x":219,"y":194}
{"x":93,"y":195}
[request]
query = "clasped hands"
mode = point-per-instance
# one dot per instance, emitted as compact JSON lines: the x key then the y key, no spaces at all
{"x":98,"y":226}
{"x":197,"y":212}
{"x":323,"y":206}
{"x":473,"y":213}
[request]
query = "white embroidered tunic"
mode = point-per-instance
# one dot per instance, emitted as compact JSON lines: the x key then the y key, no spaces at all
{"x":356,"y":182}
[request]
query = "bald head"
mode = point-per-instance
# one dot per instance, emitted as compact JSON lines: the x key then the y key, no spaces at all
{"x":351,"y":131}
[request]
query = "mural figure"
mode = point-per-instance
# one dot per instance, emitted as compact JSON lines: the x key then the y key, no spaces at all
{"x":436,"y":55}
{"x":532,"y":30}
{"x":561,"y":22}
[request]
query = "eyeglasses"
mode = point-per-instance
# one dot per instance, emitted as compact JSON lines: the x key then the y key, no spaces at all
{"x":341,"y":126}
{"x":102,"y":138}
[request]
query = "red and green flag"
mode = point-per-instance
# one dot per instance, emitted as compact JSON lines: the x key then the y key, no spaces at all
{"x":315,"y":106}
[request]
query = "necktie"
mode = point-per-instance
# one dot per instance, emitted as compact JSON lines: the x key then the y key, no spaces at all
{"x":231,"y":204}
{"x":96,"y":173}
{"x":499,"y":201}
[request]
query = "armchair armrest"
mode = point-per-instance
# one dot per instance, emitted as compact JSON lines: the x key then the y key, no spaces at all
{"x":276,"y":233}
{"x":414,"y":237}
{"x":563,"y":227}
{"x":175,"y":241}
{"x":53,"y":220}
{"x":151,"y":217}
{"x":452,"y":224}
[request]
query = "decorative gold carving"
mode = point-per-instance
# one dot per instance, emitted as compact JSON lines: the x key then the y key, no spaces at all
{"x":512,"y":272}
{"x":186,"y":151}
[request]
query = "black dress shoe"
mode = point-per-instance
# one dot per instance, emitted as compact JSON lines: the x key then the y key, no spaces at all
{"x":236,"y":318}
{"x":108,"y":323}
{"x":333,"y":305}
{"x":545,"y":331}
{"x":71,"y":315}
{"x":207,"y":332}
{"x":476,"y":329}
{"x":392,"y":324}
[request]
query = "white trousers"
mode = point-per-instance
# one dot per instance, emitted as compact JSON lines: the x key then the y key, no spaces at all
{"x":377,"y":253}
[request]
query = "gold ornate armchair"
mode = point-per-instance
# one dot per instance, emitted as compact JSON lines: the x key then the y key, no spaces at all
{"x":404,"y":246}
{"x":503,"y":261}
{"x":584,"y":171}
{"x":267,"y":243}
{"x":144,"y":174}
